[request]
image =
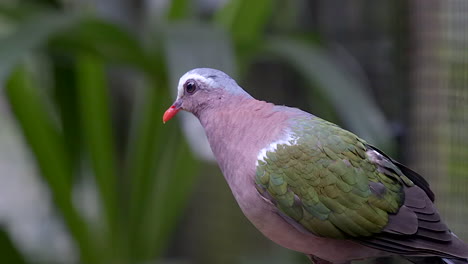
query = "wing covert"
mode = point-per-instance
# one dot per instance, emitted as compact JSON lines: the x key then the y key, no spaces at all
{"x":324,"y":180}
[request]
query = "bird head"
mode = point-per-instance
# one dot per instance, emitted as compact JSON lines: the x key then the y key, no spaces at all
{"x":203,"y":88}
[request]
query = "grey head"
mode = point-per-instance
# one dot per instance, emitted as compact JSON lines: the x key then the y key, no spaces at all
{"x":204,"y":88}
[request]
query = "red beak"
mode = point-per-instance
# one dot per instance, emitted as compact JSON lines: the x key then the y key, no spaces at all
{"x":170,"y":113}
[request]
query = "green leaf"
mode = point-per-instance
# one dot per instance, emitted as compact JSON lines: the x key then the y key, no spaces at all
{"x":65,"y":98}
{"x":31,"y":34}
{"x":104,"y":39}
{"x":147,"y":145}
{"x":38,"y":128}
{"x":355,"y":106}
{"x":178,"y":9}
{"x":97,"y":133}
{"x":245,"y":20}
{"x":176,"y":173}
{"x":8,"y":251}
{"x":17,"y":12}
{"x":155,"y":192}
{"x":47,"y":145}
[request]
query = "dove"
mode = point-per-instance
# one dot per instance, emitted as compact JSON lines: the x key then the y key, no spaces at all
{"x":311,"y":186}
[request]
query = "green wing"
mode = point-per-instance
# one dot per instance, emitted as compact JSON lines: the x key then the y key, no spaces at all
{"x":324,"y":180}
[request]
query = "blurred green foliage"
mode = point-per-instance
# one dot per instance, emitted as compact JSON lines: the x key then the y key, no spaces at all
{"x":56,"y":63}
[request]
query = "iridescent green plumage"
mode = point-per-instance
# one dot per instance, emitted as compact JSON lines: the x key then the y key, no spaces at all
{"x":322,"y":178}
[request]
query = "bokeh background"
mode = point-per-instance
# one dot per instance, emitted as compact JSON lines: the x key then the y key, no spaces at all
{"x":89,"y":174}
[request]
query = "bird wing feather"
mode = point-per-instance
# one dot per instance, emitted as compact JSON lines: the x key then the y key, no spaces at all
{"x":323,"y":181}
{"x":333,"y":184}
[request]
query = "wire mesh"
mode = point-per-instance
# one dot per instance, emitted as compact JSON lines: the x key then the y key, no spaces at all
{"x":438,"y":141}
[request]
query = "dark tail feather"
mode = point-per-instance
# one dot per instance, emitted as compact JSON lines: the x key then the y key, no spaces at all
{"x":315,"y":260}
{"x":436,"y":260}
{"x":454,"y":261}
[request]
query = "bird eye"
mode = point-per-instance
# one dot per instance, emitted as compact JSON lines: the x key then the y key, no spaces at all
{"x":190,"y":86}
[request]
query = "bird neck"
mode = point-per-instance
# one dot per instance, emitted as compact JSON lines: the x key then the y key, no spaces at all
{"x":239,"y":130}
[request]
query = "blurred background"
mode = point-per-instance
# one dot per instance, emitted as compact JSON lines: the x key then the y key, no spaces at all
{"x":89,"y":174}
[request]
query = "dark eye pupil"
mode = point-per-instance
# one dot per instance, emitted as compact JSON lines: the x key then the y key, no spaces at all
{"x":190,"y":87}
